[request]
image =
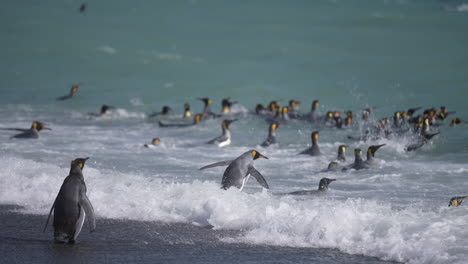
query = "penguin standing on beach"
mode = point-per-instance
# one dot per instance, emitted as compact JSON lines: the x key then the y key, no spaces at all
{"x":72,"y":206}
{"x":239,"y":170}
{"x":225,"y":138}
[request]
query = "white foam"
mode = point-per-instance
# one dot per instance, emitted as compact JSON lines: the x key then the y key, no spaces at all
{"x":107,"y":49}
{"x":354,"y":225}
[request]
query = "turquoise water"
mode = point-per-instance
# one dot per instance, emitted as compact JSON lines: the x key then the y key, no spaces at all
{"x":138,"y":56}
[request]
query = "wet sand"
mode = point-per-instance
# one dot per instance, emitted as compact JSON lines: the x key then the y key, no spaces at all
{"x":123,"y":241}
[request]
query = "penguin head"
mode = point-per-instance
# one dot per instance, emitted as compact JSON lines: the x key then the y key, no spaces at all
{"x":197,"y":118}
{"x":38,"y":126}
{"x":315,"y":105}
{"x":166,"y":109}
{"x":357,"y":152}
{"x":350,"y":114}
{"x":372,"y":149}
{"x":259,"y":108}
{"x":330,"y":115}
{"x":155,"y":141}
{"x":187,"y":107}
{"x":256,"y":155}
{"x":324,"y":182}
{"x":333,"y":165}
{"x":365,"y":115}
{"x":225,"y":124}
{"x":456,"y":121}
{"x":293,"y":104}
{"x":80,"y":162}
{"x":397,"y":115}
{"x":275,"y":125}
{"x":104,"y":108}
{"x":206,"y":100}
{"x":456,"y":201}
{"x":342,"y":149}
{"x":273,"y":106}
{"x":348,"y":121}
{"x":74,"y":89}
{"x":314,"y":136}
{"x":226,"y":104}
{"x":284,"y":110}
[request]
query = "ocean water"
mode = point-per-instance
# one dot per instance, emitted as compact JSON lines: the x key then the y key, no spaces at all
{"x":138,"y":56}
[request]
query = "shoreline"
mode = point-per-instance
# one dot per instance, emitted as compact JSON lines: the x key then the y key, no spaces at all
{"x":128,"y":241}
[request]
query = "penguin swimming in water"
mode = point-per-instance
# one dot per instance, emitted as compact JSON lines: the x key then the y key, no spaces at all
{"x":196,"y":121}
{"x":164,"y":111}
{"x":225,"y":138}
{"x":73,"y":91}
{"x":371,"y":152}
{"x":32,"y":132}
{"x":153,"y":144}
{"x":239,"y":170}
{"x":358,"y":164}
{"x":103,"y":111}
{"x":187,"y":112}
{"x":226,"y":105}
{"x":341,"y":153}
{"x":313,"y":150}
{"x":332,"y":166}
{"x":271,"y":139}
{"x":72,"y":206}
{"x":456,"y":201}
{"x":322,"y":189}
{"x":423,"y":140}
{"x":207,"y":108}
{"x":456,"y":121}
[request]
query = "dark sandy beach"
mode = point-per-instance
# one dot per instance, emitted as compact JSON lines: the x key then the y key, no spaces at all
{"x":119,"y":241}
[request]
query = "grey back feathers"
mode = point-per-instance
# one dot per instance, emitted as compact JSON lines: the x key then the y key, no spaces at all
{"x":323,"y":187}
{"x":72,"y":206}
{"x":239,"y":169}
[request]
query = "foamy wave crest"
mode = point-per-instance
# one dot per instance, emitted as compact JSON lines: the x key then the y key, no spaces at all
{"x":355,"y":226}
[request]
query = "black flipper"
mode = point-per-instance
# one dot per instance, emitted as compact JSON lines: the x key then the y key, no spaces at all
{"x":48,"y":218}
{"x":221,"y":163}
{"x":260,"y":179}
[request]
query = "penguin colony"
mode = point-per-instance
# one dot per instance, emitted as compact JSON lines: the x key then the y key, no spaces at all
{"x":72,"y":206}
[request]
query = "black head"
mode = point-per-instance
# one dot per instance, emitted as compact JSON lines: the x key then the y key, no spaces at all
{"x":39,"y":126}
{"x":79,"y":162}
{"x":456,"y":201}
{"x":274,"y":126}
{"x":333,"y":165}
{"x":256,"y":155}
{"x":315,"y":105}
{"x":155,"y":141}
{"x":166,"y":109}
{"x":357,"y":153}
{"x":315,"y":136}
{"x":342,"y":149}
{"x":258,"y":108}
{"x":324,"y":182}
{"x":372,"y":149}
{"x":186,"y":107}
{"x":104,"y":108}
{"x":206,"y":100}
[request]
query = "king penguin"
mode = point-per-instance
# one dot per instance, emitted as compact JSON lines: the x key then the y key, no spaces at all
{"x":225,"y":138}
{"x":103,"y":111}
{"x":341,"y":153}
{"x":187,"y":112}
{"x":72,"y":206}
{"x":153,"y":144}
{"x":322,"y":189}
{"x":196,"y":120}
{"x":456,"y":201}
{"x":358,"y":164}
{"x":271,"y":139}
{"x":32,"y":132}
{"x":164,"y":112}
{"x":313,"y":150}
{"x":371,"y":153}
{"x":73,"y":91}
{"x":239,"y":170}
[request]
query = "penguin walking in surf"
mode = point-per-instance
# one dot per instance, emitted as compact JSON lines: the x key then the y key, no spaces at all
{"x":239,"y":170}
{"x":72,"y":206}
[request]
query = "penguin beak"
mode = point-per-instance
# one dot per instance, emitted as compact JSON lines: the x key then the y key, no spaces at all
{"x":264,"y":157}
